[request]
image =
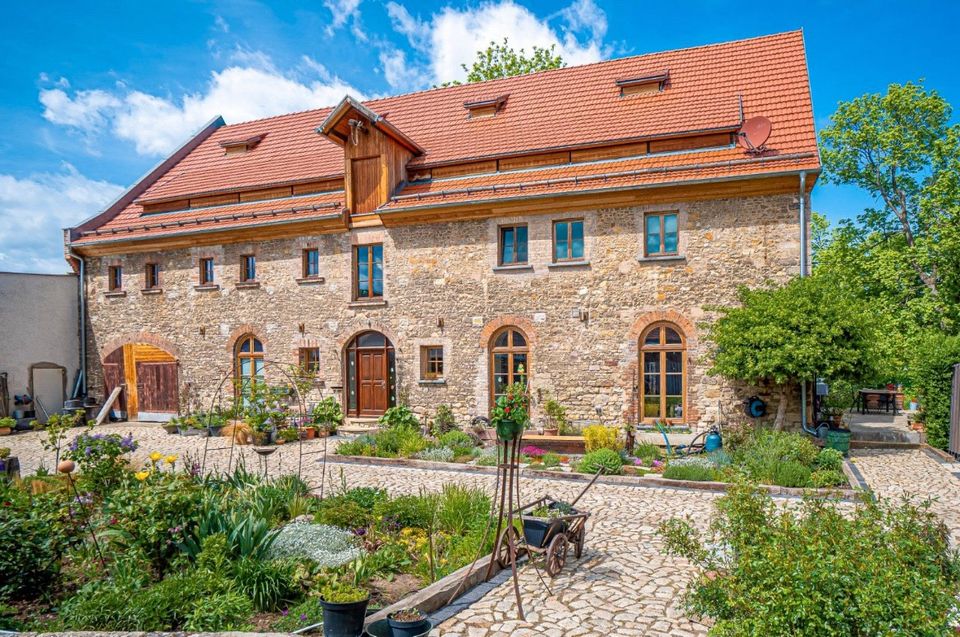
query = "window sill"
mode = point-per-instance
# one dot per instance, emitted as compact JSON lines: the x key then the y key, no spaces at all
{"x":149,"y":291}
{"x":662,"y":259}
{"x":370,"y":303}
{"x":115,"y":294}
{"x":206,"y":287}
{"x":247,"y":285}
{"x":432,"y":381}
{"x":570,"y":264}
{"x":521,"y":267}
{"x":310,"y":280}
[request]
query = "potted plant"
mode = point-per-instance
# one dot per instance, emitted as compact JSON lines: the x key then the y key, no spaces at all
{"x":6,"y":426}
{"x":171,"y":426}
{"x":287,"y":434}
{"x":4,"y":454}
{"x":344,"y":609}
{"x":327,"y":416}
{"x":510,"y":416}
{"x":556,"y":418}
{"x":308,"y":432}
{"x":409,"y":622}
{"x":214,"y":423}
{"x":543,"y":522}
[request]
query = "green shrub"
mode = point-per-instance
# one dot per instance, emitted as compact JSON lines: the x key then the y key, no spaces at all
{"x":399,"y":417}
{"x":608,"y":459}
{"x":221,"y":612}
{"x":648,"y":452}
{"x":268,"y":583}
{"x":456,"y":439}
{"x":437,"y":454}
{"x":327,"y":546}
{"x":488,"y":457}
{"x":830,"y":459}
{"x":443,"y":421}
{"x":820,"y":568}
{"x":99,"y":458}
{"x":551,"y":459}
{"x":693,"y":472}
{"x":822,"y":478}
{"x":931,"y":376}
{"x":767,"y":449}
{"x":462,"y":509}
{"x":359,"y":446}
{"x":307,"y":613}
{"x":342,"y":593}
{"x":32,"y":540}
{"x":99,"y":606}
{"x":791,"y":474}
{"x":596,"y":437}
{"x":407,"y":510}
{"x":247,"y":535}
{"x":342,"y":512}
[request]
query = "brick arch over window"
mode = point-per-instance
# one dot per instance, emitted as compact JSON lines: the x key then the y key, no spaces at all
{"x":631,"y":373}
{"x":359,"y":327}
{"x":140,"y":337}
{"x":246,"y":330}
{"x":494,"y":325}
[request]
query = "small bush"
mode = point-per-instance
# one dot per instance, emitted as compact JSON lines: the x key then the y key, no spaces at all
{"x":456,"y":439}
{"x":443,"y":421}
{"x":268,"y":583}
{"x":365,"y":497}
{"x":550,"y":459}
{"x":305,"y":614}
{"x":406,"y":510}
{"x":693,"y":472}
{"x":343,"y":512}
{"x":597,"y":437}
{"x":437,"y":454}
{"x":488,"y":457}
{"x":462,"y":509}
{"x":359,"y":446}
{"x":648,"y":452}
{"x":763,"y":454}
{"x":791,"y":474}
{"x":399,"y":417}
{"x":230,"y":611}
{"x":830,"y":459}
{"x":608,"y":459}
{"x":327,"y":546}
{"x":823,"y":478}
{"x":820,"y":568}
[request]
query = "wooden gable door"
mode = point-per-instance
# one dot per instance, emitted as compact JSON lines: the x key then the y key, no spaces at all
{"x":365,"y":182}
{"x":373,"y":390}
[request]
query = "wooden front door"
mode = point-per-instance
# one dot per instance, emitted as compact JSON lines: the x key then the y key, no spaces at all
{"x":373,"y":382}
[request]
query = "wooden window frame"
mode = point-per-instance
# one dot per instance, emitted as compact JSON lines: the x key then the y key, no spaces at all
{"x":431,"y":368}
{"x":253,"y":355}
{"x":304,"y":356}
{"x":207,"y":278}
{"x":553,"y":236}
{"x":246,"y":260}
{"x":662,"y":252}
{"x":370,"y":278}
{"x":151,"y":276}
{"x":306,"y":263}
{"x":115,"y":278}
{"x":510,"y":350}
{"x":500,"y":231}
{"x":662,"y":348}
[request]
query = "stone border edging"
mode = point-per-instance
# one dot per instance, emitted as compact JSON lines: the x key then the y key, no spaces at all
{"x":648,"y":480}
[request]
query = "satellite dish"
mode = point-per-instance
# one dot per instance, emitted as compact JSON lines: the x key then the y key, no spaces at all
{"x":754,"y":133}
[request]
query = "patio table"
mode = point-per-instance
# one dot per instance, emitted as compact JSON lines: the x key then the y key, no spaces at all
{"x":878,"y":399}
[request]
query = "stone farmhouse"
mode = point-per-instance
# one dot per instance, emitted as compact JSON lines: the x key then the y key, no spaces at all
{"x":571,"y":227}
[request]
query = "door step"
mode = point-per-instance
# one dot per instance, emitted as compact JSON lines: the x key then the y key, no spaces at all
{"x":358,"y":425}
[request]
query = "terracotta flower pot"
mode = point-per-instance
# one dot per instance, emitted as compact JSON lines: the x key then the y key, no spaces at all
{"x":551,"y":432}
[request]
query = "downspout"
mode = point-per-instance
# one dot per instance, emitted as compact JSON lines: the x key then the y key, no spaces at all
{"x":803,"y":273}
{"x":83,"y":320}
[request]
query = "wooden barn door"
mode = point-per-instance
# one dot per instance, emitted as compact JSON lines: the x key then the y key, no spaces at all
{"x":149,"y":379}
{"x":157,"y":387}
{"x":113,"y":377}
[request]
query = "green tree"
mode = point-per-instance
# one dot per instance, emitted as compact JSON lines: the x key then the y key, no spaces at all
{"x":902,"y":149}
{"x":807,"y":328}
{"x":502,"y":60}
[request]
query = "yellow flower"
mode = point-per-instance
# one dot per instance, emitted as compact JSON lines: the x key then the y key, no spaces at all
{"x":155,"y":456}
{"x":142,"y":475}
{"x":171,"y":459}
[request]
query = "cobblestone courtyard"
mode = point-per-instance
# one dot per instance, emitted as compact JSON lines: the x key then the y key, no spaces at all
{"x":623,"y":584}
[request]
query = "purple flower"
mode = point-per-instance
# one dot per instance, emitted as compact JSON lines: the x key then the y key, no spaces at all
{"x":285,"y":612}
{"x":303,"y":617}
{"x":638,"y":462}
{"x":656,"y":463}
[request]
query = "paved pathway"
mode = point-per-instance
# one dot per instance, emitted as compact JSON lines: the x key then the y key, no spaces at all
{"x":623,"y":584}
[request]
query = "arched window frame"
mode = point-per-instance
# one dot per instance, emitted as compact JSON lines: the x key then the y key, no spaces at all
{"x":253,"y":353}
{"x":661,"y":350}
{"x":510,"y":351}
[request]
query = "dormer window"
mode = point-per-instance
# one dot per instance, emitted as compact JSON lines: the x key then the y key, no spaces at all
{"x":239,"y":146}
{"x":643,"y":85}
{"x":485,"y":107}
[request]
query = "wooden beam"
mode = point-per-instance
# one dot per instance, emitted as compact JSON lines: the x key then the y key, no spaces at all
{"x":130,"y":381}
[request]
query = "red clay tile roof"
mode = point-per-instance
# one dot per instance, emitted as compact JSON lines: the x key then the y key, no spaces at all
{"x":575,"y":106}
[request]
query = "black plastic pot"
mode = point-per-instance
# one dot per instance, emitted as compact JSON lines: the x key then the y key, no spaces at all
{"x":413,"y":628}
{"x":535,"y":530}
{"x":343,"y":620}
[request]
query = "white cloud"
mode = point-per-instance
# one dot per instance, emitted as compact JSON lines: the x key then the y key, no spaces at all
{"x":343,"y":11}
{"x":453,"y":36}
{"x":34,"y":210}
{"x":398,"y":73}
{"x":158,"y":124}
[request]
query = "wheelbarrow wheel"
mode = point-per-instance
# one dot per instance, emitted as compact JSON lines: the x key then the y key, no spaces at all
{"x":503,"y":546}
{"x":556,"y":554}
{"x":579,"y":541}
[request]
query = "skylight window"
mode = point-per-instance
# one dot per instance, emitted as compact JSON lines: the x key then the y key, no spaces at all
{"x":238,"y":146}
{"x":643,"y":85}
{"x":485,"y":107}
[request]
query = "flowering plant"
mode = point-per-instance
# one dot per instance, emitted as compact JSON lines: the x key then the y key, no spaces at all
{"x":510,"y":415}
{"x":99,"y":457}
{"x":532,"y":451}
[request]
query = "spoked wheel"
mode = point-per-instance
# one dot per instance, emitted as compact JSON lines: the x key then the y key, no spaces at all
{"x":579,"y":541}
{"x":503,"y":546}
{"x":556,"y":554}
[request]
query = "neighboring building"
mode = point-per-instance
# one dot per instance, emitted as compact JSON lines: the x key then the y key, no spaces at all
{"x":570,"y":227}
{"x":39,"y":341}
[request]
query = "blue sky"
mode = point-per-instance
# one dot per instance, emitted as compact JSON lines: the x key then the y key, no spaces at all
{"x":95,"y":94}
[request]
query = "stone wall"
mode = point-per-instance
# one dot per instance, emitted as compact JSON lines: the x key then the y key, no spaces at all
{"x":442,"y":287}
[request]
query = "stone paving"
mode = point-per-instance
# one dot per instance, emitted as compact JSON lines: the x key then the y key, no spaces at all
{"x":623,"y":584}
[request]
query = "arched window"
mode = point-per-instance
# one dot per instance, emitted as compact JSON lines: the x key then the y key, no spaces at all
{"x":663,"y":373}
{"x":508,"y":360}
{"x":249,"y":361}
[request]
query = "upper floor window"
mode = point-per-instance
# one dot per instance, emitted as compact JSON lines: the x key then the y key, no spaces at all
{"x":368,"y":276}
{"x":431,"y":362}
{"x":151,"y":276}
{"x":661,"y":234}
{"x":114,"y":278}
{"x":206,"y":271}
{"x":513,"y":245}
{"x":310,"y":359}
{"x":568,"y":240}
{"x":248,"y":268}
{"x":311,"y":263}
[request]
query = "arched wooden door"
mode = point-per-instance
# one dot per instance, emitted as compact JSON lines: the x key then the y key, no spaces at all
{"x":149,"y":378}
{"x":370,"y":366}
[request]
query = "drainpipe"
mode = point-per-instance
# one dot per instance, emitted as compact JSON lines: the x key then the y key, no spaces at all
{"x":82,"y":291}
{"x":803,"y":273}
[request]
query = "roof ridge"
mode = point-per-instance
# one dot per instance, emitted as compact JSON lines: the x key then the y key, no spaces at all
{"x":280,"y":116}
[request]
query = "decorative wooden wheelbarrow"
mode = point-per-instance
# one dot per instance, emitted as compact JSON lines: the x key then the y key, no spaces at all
{"x":550,"y":536}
